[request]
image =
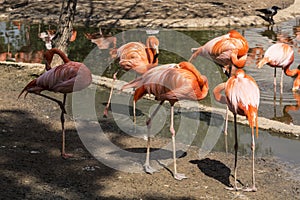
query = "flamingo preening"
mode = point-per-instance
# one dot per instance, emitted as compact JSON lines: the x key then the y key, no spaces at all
{"x":60,"y":79}
{"x":170,"y":82}
{"x":242,"y":97}
{"x":229,"y":51}
{"x":138,"y":57}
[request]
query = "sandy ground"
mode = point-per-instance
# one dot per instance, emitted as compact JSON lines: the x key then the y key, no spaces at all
{"x":150,"y":13}
{"x":30,"y":162}
{"x":31,"y":166}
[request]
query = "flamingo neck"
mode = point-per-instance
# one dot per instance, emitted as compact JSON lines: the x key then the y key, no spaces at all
{"x":49,"y":56}
{"x":292,"y":72}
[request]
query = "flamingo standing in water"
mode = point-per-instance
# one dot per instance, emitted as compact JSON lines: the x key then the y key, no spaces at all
{"x":170,"y":82}
{"x":279,"y":55}
{"x":294,"y":73}
{"x":227,"y":50}
{"x":138,"y":57}
{"x":242,"y":97}
{"x":60,"y":79}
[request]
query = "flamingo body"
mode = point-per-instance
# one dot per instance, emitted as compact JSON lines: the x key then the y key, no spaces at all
{"x":171,"y":82}
{"x":138,"y":57}
{"x":66,"y":78}
{"x":242,"y":97}
{"x":279,"y":55}
{"x":62,"y":79}
{"x":225,"y":50}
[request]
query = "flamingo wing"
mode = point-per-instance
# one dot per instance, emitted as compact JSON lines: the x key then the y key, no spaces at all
{"x":241,"y":92}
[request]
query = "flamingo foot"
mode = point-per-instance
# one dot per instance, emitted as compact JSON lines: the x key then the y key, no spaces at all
{"x":105,"y":113}
{"x":233,"y":188}
{"x":66,"y":155}
{"x":179,"y":177}
{"x":250,"y":189}
{"x":148,"y":169}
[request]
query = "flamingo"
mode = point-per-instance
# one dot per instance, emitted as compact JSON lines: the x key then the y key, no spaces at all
{"x":242,"y":97}
{"x":294,"y":73}
{"x":227,"y":50}
{"x":170,"y":82}
{"x":60,"y":79}
{"x":279,"y":55}
{"x":138,"y":57}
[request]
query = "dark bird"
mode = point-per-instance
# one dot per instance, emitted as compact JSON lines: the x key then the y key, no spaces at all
{"x":269,"y":13}
{"x":170,"y":82}
{"x":60,"y":79}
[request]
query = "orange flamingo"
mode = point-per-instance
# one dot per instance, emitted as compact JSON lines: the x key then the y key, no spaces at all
{"x":242,"y":97}
{"x":138,"y":57}
{"x":294,"y":73}
{"x":279,"y":55}
{"x":60,"y":79}
{"x":170,"y":82}
{"x":226,"y":50}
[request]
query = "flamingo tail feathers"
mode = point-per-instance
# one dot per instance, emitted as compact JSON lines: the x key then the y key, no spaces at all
{"x":262,"y":62}
{"x":31,"y":84}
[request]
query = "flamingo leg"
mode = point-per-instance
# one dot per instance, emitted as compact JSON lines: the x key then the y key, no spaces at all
{"x":253,"y":188}
{"x":281,"y":86}
{"x":274,"y":83}
{"x":148,"y":169}
{"x":134,"y":113}
{"x":62,"y":119}
{"x":235,"y":157}
{"x":177,"y":176}
{"x":61,"y":105}
{"x":105,"y":112}
{"x":225,"y":129}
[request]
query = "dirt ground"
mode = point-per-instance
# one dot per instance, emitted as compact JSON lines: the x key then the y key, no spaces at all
{"x":31,"y":166}
{"x":30,"y":162}
{"x":140,"y":13}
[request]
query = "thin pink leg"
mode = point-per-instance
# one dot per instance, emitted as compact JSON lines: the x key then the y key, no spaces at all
{"x":105,"y":112}
{"x":177,"y":176}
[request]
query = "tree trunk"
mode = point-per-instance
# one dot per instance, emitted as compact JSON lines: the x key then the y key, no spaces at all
{"x":65,"y":28}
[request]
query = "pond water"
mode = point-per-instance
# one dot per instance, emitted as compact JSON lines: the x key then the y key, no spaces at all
{"x":20,"y":42}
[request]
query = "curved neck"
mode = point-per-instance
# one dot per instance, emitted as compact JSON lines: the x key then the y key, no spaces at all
{"x":292,"y":72}
{"x":202,"y":81}
{"x":217,"y":93}
{"x":49,"y":56}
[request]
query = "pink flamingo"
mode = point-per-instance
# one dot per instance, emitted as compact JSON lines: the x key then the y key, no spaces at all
{"x":170,"y":82}
{"x":279,"y":55}
{"x":60,"y":79}
{"x":227,"y":50}
{"x":138,"y":57}
{"x":242,"y":97}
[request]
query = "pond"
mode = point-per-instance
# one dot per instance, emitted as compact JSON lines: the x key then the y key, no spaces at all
{"x":20,"y":43}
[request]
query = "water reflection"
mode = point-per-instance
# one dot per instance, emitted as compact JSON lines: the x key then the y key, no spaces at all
{"x":289,"y":110}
